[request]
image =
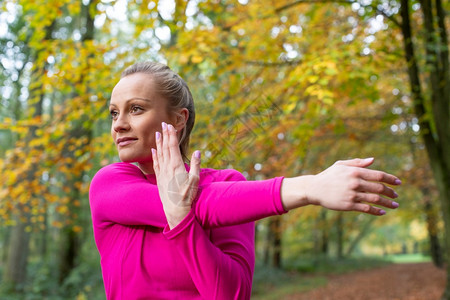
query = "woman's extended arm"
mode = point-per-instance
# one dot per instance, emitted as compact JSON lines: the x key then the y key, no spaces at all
{"x":346,"y":186}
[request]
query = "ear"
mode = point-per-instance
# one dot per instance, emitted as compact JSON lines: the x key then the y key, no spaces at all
{"x":181,"y":119}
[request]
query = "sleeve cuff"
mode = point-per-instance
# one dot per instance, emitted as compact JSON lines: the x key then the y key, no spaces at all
{"x":177,"y":230}
{"x":277,"y":196}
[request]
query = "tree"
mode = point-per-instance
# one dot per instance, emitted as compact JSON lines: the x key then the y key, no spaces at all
{"x":15,"y":273}
{"x":431,"y":104}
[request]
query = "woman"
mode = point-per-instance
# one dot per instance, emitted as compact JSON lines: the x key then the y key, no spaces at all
{"x":165,"y":230}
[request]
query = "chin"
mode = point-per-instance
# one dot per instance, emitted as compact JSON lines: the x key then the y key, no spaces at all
{"x":126,"y":157}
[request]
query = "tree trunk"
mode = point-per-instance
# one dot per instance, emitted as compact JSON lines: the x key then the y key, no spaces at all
{"x":16,"y":266}
{"x":431,"y":219}
{"x":70,"y":245}
{"x":340,"y":236}
{"x":69,"y":253}
{"x":364,"y":230}
{"x":324,"y":237}
{"x":268,"y":243}
{"x":6,"y":239}
{"x":276,"y":230}
{"x":437,"y":142}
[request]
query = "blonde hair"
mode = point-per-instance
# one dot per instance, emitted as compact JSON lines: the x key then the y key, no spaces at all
{"x":174,"y":89}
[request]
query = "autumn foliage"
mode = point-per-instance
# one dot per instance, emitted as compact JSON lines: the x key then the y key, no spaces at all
{"x":281,"y":88}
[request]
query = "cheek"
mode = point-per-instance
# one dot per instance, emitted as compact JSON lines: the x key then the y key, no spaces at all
{"x":113,"y":134}
{"x":148,"y":134}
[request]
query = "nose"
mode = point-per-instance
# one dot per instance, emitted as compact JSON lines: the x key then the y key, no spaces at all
{"x":121,"y":124}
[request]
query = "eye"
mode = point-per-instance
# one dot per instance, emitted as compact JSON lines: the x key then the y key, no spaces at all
{"x":113,"y":114}
{"x":135,"y":109}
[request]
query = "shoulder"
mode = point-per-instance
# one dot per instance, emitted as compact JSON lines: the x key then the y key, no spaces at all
{"x":213,"y":175}
{"x":116,"y":171}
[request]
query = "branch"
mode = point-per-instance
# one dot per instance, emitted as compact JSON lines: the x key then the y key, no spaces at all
{"x":274,"y":64}
{"x":389,"y":17}
{"x":298,"y":2}
{"x":295,"y":3}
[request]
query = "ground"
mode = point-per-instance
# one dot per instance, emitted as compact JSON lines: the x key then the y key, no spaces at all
{"x":418,"y":281}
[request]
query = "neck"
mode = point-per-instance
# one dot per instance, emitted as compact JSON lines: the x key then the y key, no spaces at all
{"x":146,"y":168}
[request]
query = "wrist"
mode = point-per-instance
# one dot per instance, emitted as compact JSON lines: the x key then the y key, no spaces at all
{"x":295,"y":192}
{"x":175,"y":218}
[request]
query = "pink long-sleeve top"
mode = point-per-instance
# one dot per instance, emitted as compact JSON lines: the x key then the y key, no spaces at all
{"x":209,"y":255}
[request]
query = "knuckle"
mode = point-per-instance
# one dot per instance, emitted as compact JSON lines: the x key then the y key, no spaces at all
{"x":348,"y":207}
{"x":379,"y":188}
{"x":376,"y":199}
{"x":379,"y":176}
{"x":353,"y":195}
{"x":354,"y":184}
{"x":354,"y":172}
{"x":366,"y":208}
{"x":338,"y":162}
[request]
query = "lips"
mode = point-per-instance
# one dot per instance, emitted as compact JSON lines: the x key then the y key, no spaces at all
{"x":125,"y":141}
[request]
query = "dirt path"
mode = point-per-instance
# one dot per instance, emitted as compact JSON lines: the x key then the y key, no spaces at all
{"x":394,"y":282}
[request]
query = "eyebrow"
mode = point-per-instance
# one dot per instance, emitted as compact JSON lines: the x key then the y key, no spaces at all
{"x":131,"y":99}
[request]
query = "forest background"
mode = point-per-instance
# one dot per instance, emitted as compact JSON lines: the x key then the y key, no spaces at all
{"x":282,"y":87}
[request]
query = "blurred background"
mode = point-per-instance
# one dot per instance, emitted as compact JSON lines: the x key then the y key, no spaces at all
{"x":282,"y":88}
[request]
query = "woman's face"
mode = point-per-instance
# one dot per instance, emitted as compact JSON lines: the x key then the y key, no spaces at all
{"x":137,"y":112}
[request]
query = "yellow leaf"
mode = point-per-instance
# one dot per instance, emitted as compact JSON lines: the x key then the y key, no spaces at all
{"x":196,"y":59}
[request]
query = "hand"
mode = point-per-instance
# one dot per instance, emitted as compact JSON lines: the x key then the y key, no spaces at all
{"x":177,"y":188}
{"x":345,"y":186}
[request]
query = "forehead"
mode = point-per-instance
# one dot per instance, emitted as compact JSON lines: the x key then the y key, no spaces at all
{"x":136,"y":85}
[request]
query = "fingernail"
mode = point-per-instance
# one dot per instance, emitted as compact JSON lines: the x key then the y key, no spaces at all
{"x":164,"y":125}
{"x":153,"y":152}
{"x":382,"y":212}
{"x":171,"y":128}
{"x":395,"y":204}
{"x":395,"y":194}
{"x":397,"y":182}
{"x":368,"y":159}
{"x":197,"y":154}
{"x":158,"y":136}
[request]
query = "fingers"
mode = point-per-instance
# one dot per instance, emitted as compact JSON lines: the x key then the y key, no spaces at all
{"x":194,"y":172}
{"x":165,"y":142}
{"x":368,"y":209}
{"x":350,"y":185}
{"x":174,"y":147}
{"x":167,"y":147}
{"x":159,"y":152}
{"x":368,"y":174}
{"x":376,"y":200}
{"x":356,"y":162}
{"x":372,"y":194}
{"x":375,"y":175}
{"x":155,"y":162}
{"x":376,"y":188}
